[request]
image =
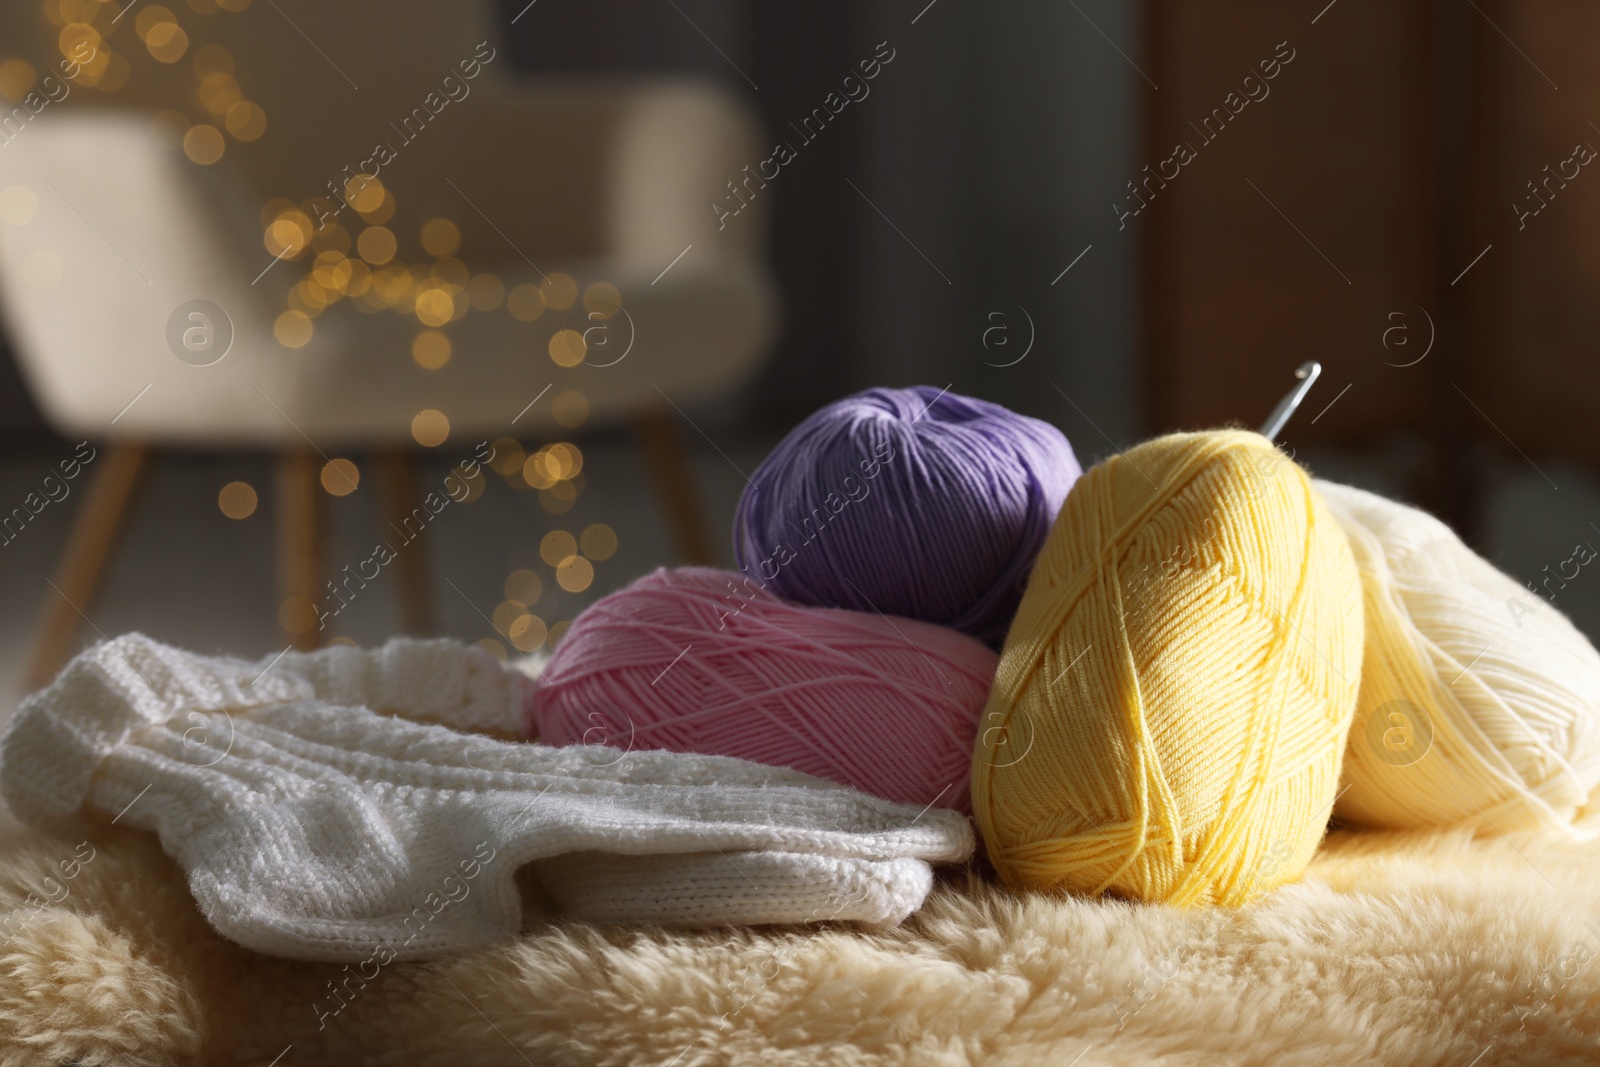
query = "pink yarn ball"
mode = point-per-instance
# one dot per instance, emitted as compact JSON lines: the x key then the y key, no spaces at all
{"x":707,"y":661}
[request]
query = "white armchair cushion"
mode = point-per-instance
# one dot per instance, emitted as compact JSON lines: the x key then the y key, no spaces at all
{"x":140,"y":231}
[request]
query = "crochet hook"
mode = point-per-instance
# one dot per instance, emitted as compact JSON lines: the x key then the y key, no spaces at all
{"x":1306,"y":375}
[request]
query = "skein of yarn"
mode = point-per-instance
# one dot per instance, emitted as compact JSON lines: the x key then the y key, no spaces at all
{"x":707,"y":661}
{"x":912,"y":502}
{"x":1480,"y":701}
{"x":1173,"y":699}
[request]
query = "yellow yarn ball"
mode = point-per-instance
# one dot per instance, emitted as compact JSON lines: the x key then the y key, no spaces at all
{"x":1174,"y":696}
{"x":1480,"y":701}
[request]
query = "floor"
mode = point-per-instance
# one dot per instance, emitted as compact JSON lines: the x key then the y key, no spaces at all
{"x":187,"y":574}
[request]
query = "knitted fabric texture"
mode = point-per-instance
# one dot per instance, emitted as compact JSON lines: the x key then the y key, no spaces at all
{"x":324,"y":831}
{"x":438,"y":681}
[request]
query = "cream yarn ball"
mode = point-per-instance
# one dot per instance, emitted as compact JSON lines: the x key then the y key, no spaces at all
{"x":1480,"y":701}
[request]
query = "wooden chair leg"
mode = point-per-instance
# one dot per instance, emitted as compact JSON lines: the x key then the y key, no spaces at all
{"x":300,"y":521}
{"x":96,"y":531}
{"x":669,"y":469}
{"x":397,"y":490}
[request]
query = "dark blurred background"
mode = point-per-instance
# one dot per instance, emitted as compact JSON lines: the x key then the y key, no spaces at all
{"x":1122,"y":217}
{"x":983,"y":162}
{"x":994,"y":142}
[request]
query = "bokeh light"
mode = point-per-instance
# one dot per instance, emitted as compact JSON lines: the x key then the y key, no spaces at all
{"x":574,"y":574}
{"x":430,"y":350}
{"x":340,"y":477}
{"x":435,"y":307}
{"x":524,"y":586}
{"x":293,"y":329}
{"x":556,"y":546}
{"x":309,"y":298}
{"x":570,"y":408}
{"x":352,"y":261}
{"x":376,"y":245}
{"x":567,"y":348}
{"x":552,"y":464}
{"x":602,"y":299}
{"x":440,"y":237}
{"x":564,"y":460}
{"x":219,"y":93}
{"x":212,"y":60}
{"x":559,"y":290}
{"x":360,"y":278}
{"x":599,"y":542}
{"x":391,"y":285}
{"x":167,"y":42}
{"x":536,"y":472}
{"x":16,"y":78}
{"x":508,"y":456}
{"x":506,"y":613}
{"x":527,"y":633}
{"x":331,"y":270}
{"x":237,"y":500}
{"x":95,"y":70}
{"x":204,"y":144}
{"x":148,"y":18}
{"x":379,"y":214}
{"x":430,"y":428}
{"x":80,"y":38}
{"x":450,"y":269}
{"x":557,"y":632}
{"x":246,"y":121}
{"x":289,"y":235}
{"x":525,"y":303}
{"x":365,"y":194}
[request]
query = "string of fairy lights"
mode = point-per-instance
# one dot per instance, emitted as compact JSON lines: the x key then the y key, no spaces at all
{"x":364,"y":264}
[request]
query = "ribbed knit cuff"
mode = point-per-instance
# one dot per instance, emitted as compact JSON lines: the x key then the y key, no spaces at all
{"x":60,"y":734}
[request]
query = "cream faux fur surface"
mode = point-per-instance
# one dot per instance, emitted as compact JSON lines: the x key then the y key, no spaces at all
{"x":1396,"y":949}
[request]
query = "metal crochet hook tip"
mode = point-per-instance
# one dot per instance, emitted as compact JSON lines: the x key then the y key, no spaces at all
{"x":1306,"y":375}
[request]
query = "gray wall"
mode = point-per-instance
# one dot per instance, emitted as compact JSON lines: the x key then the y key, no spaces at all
{"x":993,"y":143}
{"x":1058,"y":138}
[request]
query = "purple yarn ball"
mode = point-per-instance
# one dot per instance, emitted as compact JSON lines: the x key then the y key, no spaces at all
{"x":912,"y":502}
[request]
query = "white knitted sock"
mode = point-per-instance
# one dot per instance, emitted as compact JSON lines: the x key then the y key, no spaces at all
{"x":322,"y":831}
{"x":434,"y":680}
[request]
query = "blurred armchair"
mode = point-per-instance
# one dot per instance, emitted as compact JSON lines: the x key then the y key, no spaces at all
{"x":603,"y":181}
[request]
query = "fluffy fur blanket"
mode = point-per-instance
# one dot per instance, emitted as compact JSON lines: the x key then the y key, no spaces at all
{"x":1396,"y":949}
